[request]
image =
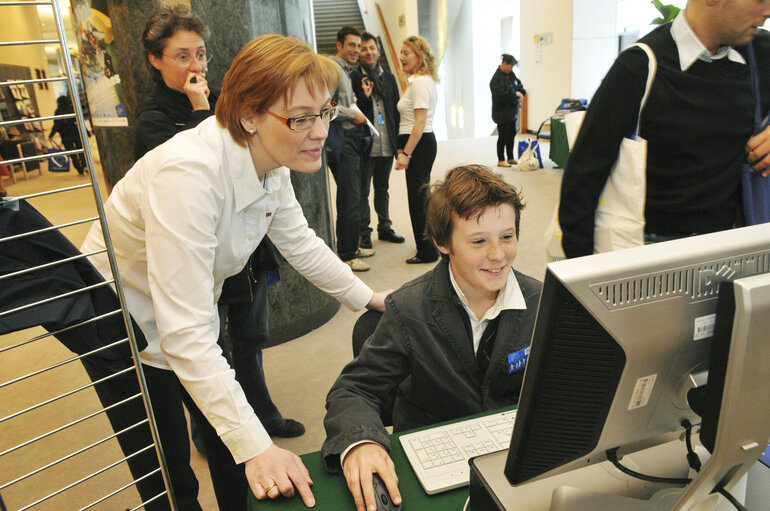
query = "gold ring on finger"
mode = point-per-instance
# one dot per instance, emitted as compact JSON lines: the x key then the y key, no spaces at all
{"x":270,"y":487}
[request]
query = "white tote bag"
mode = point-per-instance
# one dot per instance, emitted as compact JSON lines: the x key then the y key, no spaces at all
{"x":619,"y":220}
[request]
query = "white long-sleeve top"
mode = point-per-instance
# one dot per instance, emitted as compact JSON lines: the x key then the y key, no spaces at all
{"x":184,"y":218}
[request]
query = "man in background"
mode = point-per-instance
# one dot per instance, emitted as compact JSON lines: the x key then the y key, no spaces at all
{"x":355,"y":145}
{"x":698,"y":124}
{"x":377,"y":95}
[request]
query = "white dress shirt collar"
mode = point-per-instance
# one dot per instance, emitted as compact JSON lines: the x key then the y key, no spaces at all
{"x":691,"y":48}
{"x":510,"y":297}
{"x":242,"y":169}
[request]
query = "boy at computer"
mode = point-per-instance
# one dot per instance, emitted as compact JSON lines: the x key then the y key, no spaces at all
{"x":451,"y":343}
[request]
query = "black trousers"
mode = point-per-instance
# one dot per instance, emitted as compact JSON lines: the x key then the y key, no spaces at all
{"x":248,"y":333}
{"x":78,"y":160}
{"x":506,"y":132}
{"x":376,"y":170}
{"x":417,"y":179}
{"x":167,"y":396}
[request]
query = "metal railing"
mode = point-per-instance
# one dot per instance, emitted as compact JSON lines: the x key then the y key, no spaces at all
{"x":59,"y":444}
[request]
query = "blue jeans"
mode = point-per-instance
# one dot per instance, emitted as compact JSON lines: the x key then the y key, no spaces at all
{"x":376,"y":169}
{"x":355,"y":145}
{"x":651,"y":237}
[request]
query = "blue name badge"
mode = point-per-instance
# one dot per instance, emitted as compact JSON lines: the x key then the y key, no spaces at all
{"x":380,"y":118}
{"x":517,"y":360}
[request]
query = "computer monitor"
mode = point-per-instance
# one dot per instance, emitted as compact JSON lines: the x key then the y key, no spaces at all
{"x":619,"y":340}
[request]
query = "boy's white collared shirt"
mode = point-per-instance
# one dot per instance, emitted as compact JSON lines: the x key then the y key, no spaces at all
{"x":510,"y":297}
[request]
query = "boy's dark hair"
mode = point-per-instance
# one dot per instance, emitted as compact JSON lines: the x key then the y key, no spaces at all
{"x":345,"y":31}
{"x":167,"y":21}
{"x":467,"y":192}
{"x":367,"y":36}
{"x":509,"y":59}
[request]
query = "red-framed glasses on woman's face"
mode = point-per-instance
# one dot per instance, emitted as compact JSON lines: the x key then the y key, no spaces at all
{"x":305,"y":122}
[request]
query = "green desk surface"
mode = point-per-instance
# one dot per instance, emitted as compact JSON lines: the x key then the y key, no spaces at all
{"x":332,"y":494}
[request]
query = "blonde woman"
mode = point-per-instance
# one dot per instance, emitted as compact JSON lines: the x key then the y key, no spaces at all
{"x":416,"y":141}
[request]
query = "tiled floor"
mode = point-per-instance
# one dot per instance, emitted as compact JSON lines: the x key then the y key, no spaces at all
{"x":299,"y":372}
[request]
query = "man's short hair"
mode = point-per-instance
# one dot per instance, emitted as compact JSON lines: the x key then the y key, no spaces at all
{"x":167,"y":21}
{"x":345,"y":31}
{"x":466,"y":192}
{"x":509,"y":59}
{"x":367,"y":36}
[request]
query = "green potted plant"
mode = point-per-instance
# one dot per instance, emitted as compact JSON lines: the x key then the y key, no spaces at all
{"x":668,"y":12}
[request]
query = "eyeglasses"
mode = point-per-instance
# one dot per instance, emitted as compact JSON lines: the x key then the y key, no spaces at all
{"x":305,"y":122}
{"x":186,"y":60}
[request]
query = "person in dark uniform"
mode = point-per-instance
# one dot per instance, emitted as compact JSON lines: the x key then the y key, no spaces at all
{"x":507,"y":91}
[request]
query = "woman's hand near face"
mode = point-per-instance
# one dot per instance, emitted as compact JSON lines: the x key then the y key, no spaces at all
{"x":197,"y":89}
{"x":278,"y":472}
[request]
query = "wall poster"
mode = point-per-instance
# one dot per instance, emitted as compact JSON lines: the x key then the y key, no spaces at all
{"x":99,"y":63}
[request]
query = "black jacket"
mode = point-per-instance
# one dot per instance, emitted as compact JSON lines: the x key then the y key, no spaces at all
{"x":35,"y":286}
{"x":66,"y":128}
{"x":421,"y":358}
{"x":505,"y":103}
{"x":163,"y":114}
{"x":385,"y":86}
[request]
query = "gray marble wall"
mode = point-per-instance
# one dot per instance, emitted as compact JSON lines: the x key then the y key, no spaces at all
{"x":296,"y":306}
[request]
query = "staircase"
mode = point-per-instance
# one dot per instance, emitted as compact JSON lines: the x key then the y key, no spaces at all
{"x":329,"y":17}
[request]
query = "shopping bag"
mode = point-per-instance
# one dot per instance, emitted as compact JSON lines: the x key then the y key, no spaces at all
{"x":58,"y":163}
{"x":756,"y":196}
{"x":529,"y":155}
{"x":553,"y":236}
{"x":756,"y":189}
{"x":619,"y":218}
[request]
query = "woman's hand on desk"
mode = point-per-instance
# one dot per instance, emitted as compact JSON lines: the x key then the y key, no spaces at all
{"x":277,"y":472}
{"x":360,"y":463}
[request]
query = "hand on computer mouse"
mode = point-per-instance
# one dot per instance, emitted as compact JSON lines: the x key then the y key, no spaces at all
{"x":362,"y":466}
{"x":381,"y":495}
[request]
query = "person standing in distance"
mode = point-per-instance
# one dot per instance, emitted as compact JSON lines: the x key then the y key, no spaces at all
{"x":377,"y":95}
{"x":416,"y":140}
{"x":355,"y":145}
{"x":507,"y":91}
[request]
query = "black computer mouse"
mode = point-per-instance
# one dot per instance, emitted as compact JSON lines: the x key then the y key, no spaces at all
{"x":383,"y":497}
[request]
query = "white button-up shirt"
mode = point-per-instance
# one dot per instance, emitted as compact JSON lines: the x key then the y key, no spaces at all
{"x":691,"y":48}
{"x":510,"y":298}
{"x":183,"y":219}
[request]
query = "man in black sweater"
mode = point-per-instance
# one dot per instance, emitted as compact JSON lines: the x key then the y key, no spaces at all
{"x":377,"y":95}
{"x":698,"y":123}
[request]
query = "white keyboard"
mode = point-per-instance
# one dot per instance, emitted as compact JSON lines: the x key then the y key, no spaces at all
{"x":439,"y":456}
